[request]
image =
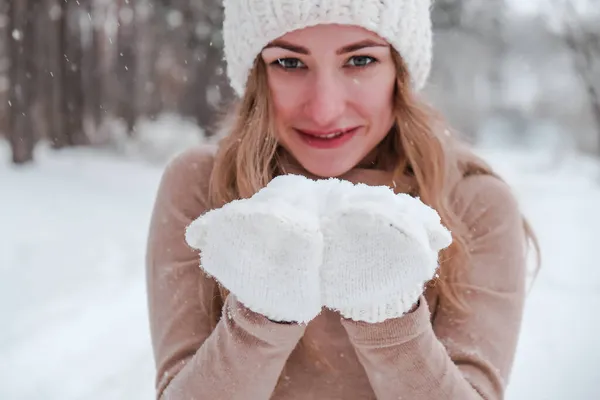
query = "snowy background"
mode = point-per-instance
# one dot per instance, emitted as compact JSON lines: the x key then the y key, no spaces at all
{"x":97,"y":95}
{"x":72,"y":289}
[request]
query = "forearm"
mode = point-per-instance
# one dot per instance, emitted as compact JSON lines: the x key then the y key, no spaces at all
{"x":242,"y":358}
{"x":403,"y":357}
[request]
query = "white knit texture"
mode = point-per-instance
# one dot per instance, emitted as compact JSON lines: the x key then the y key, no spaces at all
{"x":298,"y":245}
{"x":249,"y":25}
{"x":267,"y":252}
{"x":380,"y":249}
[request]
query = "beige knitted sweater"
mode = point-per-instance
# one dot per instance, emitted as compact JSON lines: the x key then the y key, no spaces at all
{"x":427,"y":354}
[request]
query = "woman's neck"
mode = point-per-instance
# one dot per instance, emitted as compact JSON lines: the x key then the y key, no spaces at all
{"x":370,"y":171}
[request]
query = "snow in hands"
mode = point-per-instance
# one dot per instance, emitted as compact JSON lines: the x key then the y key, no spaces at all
{"x":299,"y":245}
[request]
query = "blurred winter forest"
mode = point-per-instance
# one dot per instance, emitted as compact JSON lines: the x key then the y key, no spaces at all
{"x":103,"y":73}
{"x":88,"y":85}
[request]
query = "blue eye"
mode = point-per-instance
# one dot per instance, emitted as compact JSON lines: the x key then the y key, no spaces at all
{"x":289,"y":63}
{"x":360,"y":61}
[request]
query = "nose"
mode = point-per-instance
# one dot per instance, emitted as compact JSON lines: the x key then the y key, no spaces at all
{"x":326,"y":100}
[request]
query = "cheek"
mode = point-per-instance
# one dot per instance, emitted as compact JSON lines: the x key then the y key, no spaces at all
{"x":374,"y":97}
{"x":285,"y":95}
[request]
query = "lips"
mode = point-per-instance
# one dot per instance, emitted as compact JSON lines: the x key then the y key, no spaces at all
{"x":327,"y":134}
{"x":327,"y":139}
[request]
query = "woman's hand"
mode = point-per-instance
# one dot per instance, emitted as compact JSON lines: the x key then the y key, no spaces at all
{"x":299,"y":244}
{"x":379,"y":250}
{"x":266,"y":250}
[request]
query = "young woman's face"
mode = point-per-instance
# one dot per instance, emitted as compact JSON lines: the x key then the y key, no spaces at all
{"x":332,"y":88}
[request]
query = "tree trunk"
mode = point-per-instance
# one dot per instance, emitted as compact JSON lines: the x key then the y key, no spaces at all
{"x":148,"y":28}
{"x":91,"y":73}
{"x":5,"y":40}
{"x":72,"y":104}
{"x":53,"y":74}
{"x":106,"y":37}
{"x":126,"y":64}
{"x":208,"y":88}
{"x":594,"y":97}
{"x":22,"y":87}
{"x":585,"y":51}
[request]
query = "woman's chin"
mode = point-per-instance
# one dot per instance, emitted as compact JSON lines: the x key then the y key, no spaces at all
{"x":330,"y":168}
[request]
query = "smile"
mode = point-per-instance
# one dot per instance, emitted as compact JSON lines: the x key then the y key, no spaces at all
{"x":327,"y":140}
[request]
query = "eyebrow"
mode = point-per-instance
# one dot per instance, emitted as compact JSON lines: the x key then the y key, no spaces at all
{"x":346,"y":49}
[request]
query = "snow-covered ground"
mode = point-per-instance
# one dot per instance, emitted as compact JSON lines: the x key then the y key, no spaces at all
{"x":72,"y":291}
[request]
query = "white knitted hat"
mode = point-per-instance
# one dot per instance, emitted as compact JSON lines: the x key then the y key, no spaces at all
{"x":249,"y":25}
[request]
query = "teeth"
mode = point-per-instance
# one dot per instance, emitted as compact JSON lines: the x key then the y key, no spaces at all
{"x":333,"y":135}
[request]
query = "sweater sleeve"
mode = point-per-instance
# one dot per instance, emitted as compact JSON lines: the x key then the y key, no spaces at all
{"x":458,"y":356}
{"x":243,"y":355}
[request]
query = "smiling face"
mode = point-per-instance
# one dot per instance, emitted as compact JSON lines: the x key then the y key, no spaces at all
{"x":332,"y":88}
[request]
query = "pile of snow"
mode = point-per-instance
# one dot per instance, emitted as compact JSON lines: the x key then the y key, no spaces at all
{"x":559,"y":353}
{"x":72,"y":289}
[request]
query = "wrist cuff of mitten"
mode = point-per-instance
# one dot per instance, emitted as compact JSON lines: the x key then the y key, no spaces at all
{"x":260,"y":327}
{"x":392,"y":331}
{"x":382,"y":311}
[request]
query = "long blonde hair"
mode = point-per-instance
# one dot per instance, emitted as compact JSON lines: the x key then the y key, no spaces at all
{"x":418,"y":144}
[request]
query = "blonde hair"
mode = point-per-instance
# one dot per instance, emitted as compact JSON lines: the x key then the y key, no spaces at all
{"x":418,"y":145}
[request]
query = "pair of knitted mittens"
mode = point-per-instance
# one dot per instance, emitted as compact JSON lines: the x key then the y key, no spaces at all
{"x":299,"y":245}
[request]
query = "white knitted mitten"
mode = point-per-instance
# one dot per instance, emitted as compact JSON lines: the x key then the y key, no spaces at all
{"x":267,"y":250}
{"x":380,"y":250}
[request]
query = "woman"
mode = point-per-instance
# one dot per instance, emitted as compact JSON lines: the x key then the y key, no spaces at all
{"x":330,"y":89}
